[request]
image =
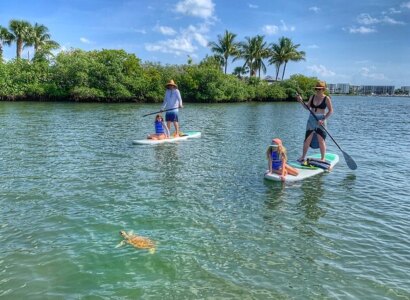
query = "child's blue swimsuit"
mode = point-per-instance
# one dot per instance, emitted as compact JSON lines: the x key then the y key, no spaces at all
{"x":276,"y":160}
{"x":158,"y":127}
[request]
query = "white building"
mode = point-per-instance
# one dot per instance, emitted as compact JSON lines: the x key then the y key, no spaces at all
{"x":406,"y":89}
{"x":339,"y":88}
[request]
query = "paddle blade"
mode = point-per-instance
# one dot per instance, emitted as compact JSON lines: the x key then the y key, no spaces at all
{"x":349,"y":161}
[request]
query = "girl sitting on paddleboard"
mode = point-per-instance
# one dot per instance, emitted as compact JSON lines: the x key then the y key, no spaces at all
{"x":277,"y":159}
{"x":161,"y":130}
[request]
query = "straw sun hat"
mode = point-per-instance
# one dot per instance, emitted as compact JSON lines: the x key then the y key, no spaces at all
{"x":320,"y":85}
{"x":171,"y":83}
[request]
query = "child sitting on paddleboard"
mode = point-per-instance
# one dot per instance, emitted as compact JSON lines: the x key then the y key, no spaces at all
{"x":277,"y":159}
{"x":161,"y":130}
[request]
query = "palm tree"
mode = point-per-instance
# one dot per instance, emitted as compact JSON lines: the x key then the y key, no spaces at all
{"x":253,"y":51}
{"x":22,"y":32}
{"x":276,"y":57}
{"x":290,"y":52}
{"x":40,"y":38}
{"x":5,"y":39}
{"x":261,"y":52}
{"x":225,"y":47}
{"x":239,"y":71}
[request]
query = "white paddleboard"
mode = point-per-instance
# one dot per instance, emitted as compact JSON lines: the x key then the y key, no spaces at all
{"x":305,"y":171}
{"x":187,"y":135}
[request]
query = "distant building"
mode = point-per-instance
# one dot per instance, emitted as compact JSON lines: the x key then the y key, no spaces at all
{"x":343,"y":88}
{"x":354,"y":89}
{"x":331,"y":87}
{"x":269,"y":79}
{"x":339,"y":88}
{"x":406,"y":89}
{"x":376,"y":90}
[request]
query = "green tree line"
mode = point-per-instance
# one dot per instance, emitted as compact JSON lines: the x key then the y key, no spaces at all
{"x":116,"y":76}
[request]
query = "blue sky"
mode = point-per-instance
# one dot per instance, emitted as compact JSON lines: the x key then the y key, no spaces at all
{"x":356,"y":42}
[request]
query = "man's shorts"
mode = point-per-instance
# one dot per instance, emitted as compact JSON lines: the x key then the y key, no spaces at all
{"x":171,"y":116}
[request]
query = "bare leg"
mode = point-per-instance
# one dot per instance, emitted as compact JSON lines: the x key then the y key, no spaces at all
{"x":169,"y":127}
{"x":322,"y":146}
{"x":291,"y":170}
{"x":176,"y":125}
{"x":306,"y":145}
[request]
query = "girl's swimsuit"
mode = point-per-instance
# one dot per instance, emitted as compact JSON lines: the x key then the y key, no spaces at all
{"x":276,"y":160}
{"x":159,"y":129}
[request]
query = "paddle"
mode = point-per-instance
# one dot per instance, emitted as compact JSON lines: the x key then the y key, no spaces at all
{"x":348,"y":159}
{"x":158,"y":112}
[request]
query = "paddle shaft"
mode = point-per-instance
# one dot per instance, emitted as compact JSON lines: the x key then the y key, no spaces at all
{"x":157,"y":112}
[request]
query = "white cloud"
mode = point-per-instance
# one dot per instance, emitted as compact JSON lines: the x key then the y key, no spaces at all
{"x":142,"y":31}
{"x":253,"y":5}
{"x":321,"y":70}
{"x":197,"y":8}
{"x":362,"y":61}
{"x":314,"y":46}
{"x":176,"y":46}
{"x":274,"y":29}
{"x":392,"y":11}
{"x":366,"y":19}
{"x":186,"y":43}
{"x":85,"y":40}
{"x":270,"y":29}
{"x":405,"y":5}
{"x":367,"y":72}
{"x":391,"y":21}
{"x":314,"y":9}
{"x":165,"y":30}
{"x":284,"y":27}
{"x":362,"y":30}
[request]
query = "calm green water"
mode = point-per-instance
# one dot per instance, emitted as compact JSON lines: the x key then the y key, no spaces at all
{"x":71,"y":180}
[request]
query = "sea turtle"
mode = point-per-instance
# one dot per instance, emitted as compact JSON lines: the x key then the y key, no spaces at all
{"x":137,"y":241}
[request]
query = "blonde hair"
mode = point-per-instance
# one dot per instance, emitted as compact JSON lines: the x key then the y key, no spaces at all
{"x":282,"y":152}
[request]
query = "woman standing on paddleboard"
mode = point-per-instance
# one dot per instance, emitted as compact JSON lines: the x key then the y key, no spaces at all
{"x":315,"y":136}
{"x":172,"y":101}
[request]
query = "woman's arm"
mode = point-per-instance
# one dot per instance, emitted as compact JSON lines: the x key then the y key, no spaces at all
{"x":329,"y":107}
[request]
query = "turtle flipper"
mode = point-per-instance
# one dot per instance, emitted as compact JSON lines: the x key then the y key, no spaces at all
{"x":120,"y":244}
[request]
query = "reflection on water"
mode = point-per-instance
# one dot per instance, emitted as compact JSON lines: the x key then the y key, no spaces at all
{"x":275,"y":192}
{"x":312,"y":194}
{"x":349,"y":181}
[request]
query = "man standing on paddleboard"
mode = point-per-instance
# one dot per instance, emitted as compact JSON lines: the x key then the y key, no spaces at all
{"x":172,"y":101}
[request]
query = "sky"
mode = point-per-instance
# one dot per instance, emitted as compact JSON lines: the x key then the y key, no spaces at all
{"x":362,"y":42}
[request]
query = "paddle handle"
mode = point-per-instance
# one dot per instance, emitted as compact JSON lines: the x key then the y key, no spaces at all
{"x":157,"y":112}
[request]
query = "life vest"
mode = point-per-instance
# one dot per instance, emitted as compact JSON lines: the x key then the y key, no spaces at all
{"x":158,"y":127}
